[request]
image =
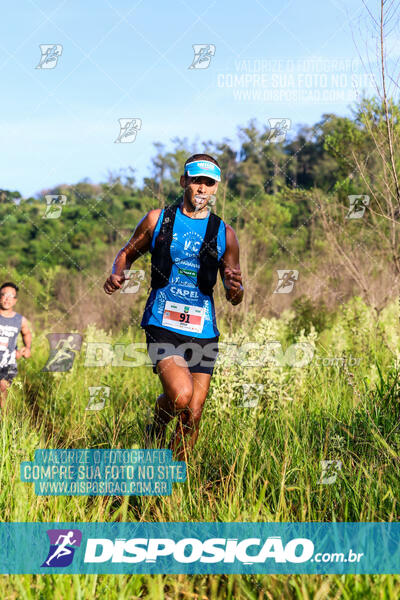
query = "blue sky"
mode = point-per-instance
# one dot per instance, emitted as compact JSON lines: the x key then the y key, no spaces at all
{"x":131,"y":60}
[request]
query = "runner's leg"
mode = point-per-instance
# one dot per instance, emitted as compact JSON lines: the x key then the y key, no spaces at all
{"x":4,"y":385}
{"x":187,"y":428}
{"x":177,"y":384}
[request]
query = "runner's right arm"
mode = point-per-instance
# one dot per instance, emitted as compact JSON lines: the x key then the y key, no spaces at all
{"x":138,"y":245}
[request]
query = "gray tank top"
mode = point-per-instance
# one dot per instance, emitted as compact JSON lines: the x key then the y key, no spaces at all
{"x":9,"y":330}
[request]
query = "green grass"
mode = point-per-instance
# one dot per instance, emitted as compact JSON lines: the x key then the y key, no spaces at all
{"x":250,"y":464}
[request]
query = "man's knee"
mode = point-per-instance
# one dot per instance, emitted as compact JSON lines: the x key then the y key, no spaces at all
{"x":182,"y":398}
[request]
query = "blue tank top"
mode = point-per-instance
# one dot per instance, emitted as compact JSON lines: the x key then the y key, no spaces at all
{"x":180,"y":306}
{"x":9,"y":330}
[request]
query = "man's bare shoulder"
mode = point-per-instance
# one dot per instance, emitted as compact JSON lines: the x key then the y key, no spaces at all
{"x":230,"y":234}
{"x":151,"y":218}
{"x":149,"y":221}
{"x":153,"y":215}
{"x":24,"y":323}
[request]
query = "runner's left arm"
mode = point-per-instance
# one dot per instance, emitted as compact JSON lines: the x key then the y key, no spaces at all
{"x":27,"y":337}
{"x":230,"y":269}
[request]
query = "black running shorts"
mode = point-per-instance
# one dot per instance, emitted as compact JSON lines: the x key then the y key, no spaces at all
{"x":8,"y":373}
{"x":199,"y":353}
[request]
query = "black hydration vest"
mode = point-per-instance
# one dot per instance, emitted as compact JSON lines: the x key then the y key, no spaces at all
{"x":161,"y":261}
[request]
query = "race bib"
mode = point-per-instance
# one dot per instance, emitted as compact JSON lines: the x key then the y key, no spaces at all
{"x":183,"y":316}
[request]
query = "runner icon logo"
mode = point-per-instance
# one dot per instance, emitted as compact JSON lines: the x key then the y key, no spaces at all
{"x":278,"y":129}
{"x":128,"y":130}
{"x":98,"y":396}
{"x":50,"y":53}
{"x":63,"y":347}
{"x":133,"y":278}
{"x":63,"y":543}
{"x":54,"y":206}
{"x":286,"y":280}
{"x":358,"y":204}
{"x":202,"y":56}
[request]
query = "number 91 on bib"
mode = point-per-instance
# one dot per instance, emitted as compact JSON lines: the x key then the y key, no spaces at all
{"x":185,"y":317}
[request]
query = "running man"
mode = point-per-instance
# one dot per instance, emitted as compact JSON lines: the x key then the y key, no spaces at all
{"x":62,"y":542}
{"x":63,"y":356}
{"x":11,"y":323}
{"x":188,"y":246}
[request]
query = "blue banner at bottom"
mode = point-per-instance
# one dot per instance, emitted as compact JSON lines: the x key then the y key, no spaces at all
{"x":175,"y":548}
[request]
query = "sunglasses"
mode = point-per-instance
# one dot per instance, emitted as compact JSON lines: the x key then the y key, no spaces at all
{"x":6,"y":295}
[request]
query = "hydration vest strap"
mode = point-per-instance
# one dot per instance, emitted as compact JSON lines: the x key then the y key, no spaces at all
{"x":161,"y":261}
{"x":208,"y":255}
{"x":168,"y":221}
